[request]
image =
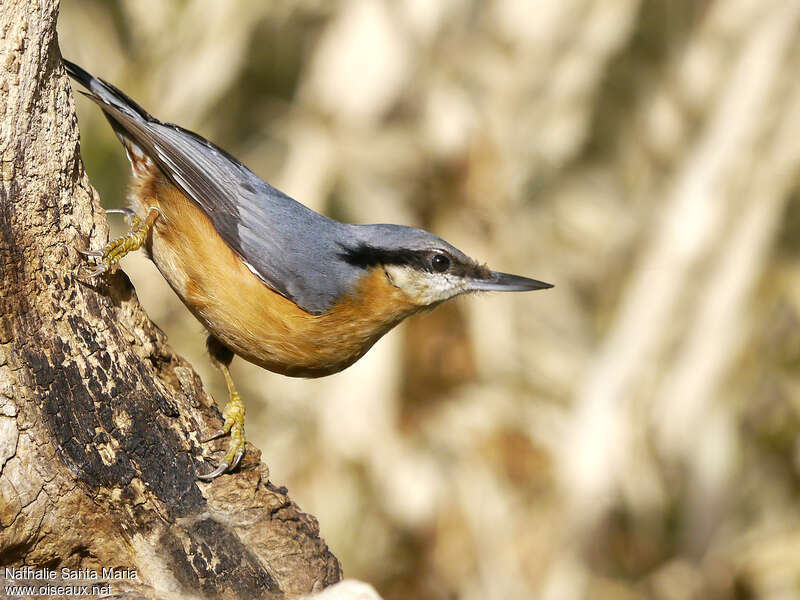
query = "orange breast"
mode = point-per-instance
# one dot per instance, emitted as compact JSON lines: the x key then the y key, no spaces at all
{"x":246,"y":315}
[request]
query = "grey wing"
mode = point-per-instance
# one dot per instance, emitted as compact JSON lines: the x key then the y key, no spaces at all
{"x":282,"y":242}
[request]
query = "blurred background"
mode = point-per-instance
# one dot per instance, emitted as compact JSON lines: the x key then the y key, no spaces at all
{"x":632,"y":433}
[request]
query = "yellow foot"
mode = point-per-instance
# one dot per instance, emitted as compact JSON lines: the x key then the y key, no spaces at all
{"x":116,"y":249}
{"x":234,"y":425}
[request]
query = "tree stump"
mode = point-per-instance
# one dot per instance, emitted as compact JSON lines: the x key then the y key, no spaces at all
{"x":100,"y":422}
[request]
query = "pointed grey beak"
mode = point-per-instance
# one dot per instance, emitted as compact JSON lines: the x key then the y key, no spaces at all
{"x":505,"y":282}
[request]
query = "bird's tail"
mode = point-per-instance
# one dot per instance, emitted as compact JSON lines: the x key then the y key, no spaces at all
{"x":114,"y":101}
{"x":103,"y":92}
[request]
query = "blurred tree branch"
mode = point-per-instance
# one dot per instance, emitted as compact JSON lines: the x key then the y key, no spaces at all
{"x":724,"y":198}
{"x":99,"y":419}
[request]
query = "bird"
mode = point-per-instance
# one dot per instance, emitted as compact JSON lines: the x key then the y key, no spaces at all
{"x":272,"y":281}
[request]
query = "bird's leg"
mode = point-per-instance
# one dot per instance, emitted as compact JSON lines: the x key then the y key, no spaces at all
{"x":233,"y":413}
{"x":116,"y":249}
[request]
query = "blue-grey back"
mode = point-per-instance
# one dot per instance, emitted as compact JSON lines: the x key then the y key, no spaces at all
{"x":289,"y":246}
{"x":307,"y":257}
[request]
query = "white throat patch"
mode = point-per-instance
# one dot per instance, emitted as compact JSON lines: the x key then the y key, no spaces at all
{"x":423,"y":288}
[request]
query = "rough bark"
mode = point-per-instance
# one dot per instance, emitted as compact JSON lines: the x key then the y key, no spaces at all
{"x":100,"y":422}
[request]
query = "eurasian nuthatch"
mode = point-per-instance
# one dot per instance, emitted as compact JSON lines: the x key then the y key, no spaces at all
{"x":272,"y":281}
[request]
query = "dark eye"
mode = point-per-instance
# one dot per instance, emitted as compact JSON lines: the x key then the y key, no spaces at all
{"x":440,"y":263}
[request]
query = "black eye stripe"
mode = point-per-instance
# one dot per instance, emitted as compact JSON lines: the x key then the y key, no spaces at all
{"x":365,"y":256}
{"x":369,"y":256}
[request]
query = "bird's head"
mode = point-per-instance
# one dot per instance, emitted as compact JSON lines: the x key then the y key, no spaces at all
{"x":427,"y":269}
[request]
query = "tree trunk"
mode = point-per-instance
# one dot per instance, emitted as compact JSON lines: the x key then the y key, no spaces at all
{"x":100,"y":422}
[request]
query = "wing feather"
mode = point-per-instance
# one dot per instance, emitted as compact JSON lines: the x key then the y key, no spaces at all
{"x":279,"y":239}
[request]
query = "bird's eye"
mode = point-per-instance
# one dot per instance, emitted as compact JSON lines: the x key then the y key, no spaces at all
{"x":440,"y":263}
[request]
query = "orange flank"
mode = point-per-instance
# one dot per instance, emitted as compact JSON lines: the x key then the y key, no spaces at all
{"x":246,"y":315}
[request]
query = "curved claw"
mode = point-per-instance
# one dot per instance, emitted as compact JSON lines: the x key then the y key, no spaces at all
{"x":233,"y":426}
{"x":222,"y":468}
{"x":236,"y":460}
{"x":90,"y":252}
{"x":129,"y":212}
{"x":98,"y":271}
{"x":116,"y":249}
{"x":216,"y":436}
